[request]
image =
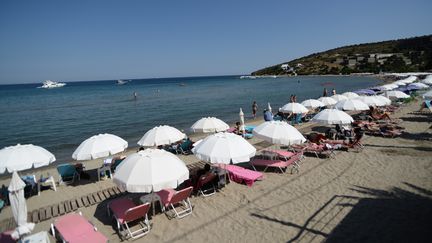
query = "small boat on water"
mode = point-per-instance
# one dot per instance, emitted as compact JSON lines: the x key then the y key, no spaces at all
{"x":121,"y":82}
{"x":182,"y":84}
{"x":49,"y":84}
{"x":248,"y":76}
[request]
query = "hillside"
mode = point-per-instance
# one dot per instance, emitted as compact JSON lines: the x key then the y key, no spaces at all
{"x":404,"y":55}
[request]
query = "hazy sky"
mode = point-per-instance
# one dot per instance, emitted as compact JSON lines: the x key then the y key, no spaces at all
{"x":97,"y":40}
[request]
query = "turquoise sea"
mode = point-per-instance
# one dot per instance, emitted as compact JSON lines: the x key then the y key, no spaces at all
{"x":60,"y":119}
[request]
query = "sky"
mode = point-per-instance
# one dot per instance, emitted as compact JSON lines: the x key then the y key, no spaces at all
{"x":108,"y":40}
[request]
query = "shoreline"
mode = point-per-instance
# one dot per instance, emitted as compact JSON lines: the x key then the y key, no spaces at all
{"x":382,"y":165}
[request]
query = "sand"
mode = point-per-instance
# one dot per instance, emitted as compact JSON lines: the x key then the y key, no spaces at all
{"x":381,"y":194}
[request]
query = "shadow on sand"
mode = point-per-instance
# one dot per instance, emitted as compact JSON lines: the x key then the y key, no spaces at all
{"x":396,"y":215}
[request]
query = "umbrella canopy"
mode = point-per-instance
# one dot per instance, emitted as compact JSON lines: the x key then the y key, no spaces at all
{"x":312,"y":103}
{"x":428,"y":95}
{"x":389,"y":86}
{"x":351,"y":105}
{"x":332,"y":116}
{"x":384,"y":99}
{"x":409,"y":80}
{"x":427,"y":80}
{"x":150,"y":170}
{"x":99,"y":146}
{"x":161,"y":135}
{"x":224,"y":148}
{"x":279,"y":132}
{"x":397,"y":94}
{"x":372,"y":100}
{"x":365,"y":92}
{"x":209,"y":124}
{"x":23,"y":157}
{"x":295,"y":108}
{"x":403,"y":89}
{"x":18,"y":206}
{"x":350,"y":95}
{"x":339,"y":97}
{"x":327,"y":101}
{"x":399,"y":83}
{"x":417,"y":86}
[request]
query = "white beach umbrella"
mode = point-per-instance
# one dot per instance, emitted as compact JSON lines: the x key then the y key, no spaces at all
{"x":23,"y":157}
{"x":161,"y":135}
{"x":332,"y":116}
{"x":397,"y":94}
{"x":224,"y":148}
{"x":278,"y":132}
{"x":351,"y":105}
{"x":372,"y":100}
{"x":350,"y":95}
{"x":99,"y":146}
{"x":399,"y":83}
{"x":312,"y":103}
{"x":428,"y":95}
{"x":384,"y":99}
{"x":418,"y":86}
{"x":209,"y":124}
{"x":295,"y":108}
{"x":242,"y":122}
{"x":328,"y":101}
{"x":427,"y":80}
{"x":339,"y":97}
{"x":150,"y":170}
{"x":409,"y":80}
{"x":18,"y":206}
{"x":389,"y":87}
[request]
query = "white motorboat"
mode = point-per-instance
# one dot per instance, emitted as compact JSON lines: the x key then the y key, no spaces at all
{"x":121,"y":82}
{"x":49,"y":84}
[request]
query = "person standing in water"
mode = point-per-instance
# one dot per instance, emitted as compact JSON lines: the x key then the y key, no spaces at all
{"x":254,"y":109}
{"x":135,"y":95}
{"x":325,"y":92}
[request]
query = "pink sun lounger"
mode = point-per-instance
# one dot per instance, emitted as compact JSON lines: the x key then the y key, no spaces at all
{"x":278,"y":164}
{"x":125,"y":211}
{"x":176,"y":201}
{"x":240,"y":174}
{"x":280,"y":153}
{"x":74,"y":227}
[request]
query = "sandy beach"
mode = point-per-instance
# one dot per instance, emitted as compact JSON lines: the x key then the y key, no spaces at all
{"x":382,"y":194}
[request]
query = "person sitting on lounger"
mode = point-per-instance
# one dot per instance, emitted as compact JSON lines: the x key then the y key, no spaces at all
{"x":238,"y":129}
{"x":377,"y":115}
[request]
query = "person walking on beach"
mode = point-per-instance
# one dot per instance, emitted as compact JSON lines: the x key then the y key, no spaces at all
{"x":333,"y":91}
{"x":254,"y":109}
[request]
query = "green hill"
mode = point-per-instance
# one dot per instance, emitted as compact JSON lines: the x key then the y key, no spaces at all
{"x":404,"y":55}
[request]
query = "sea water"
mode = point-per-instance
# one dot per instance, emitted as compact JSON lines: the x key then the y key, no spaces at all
{"x":60,"y":119}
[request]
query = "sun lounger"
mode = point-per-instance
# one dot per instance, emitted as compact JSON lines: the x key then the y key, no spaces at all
{"x":74,"y":228}
{"x":240,"y":174}
{"x":317,"y":149}
{"x":205,"y":184}
{"x":283,"y":154}
{"x":172,"y":199}
{"x":282,"y":165}
{"x":125,"y":211}
{"x":67,"y":173}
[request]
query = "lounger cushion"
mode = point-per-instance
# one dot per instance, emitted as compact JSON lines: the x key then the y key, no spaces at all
{"x":270,"y":163}
{"x":240,"y":174}
{"x":119,"y":208}
{"x":75,"y":228}
{"x":166,"y":195}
